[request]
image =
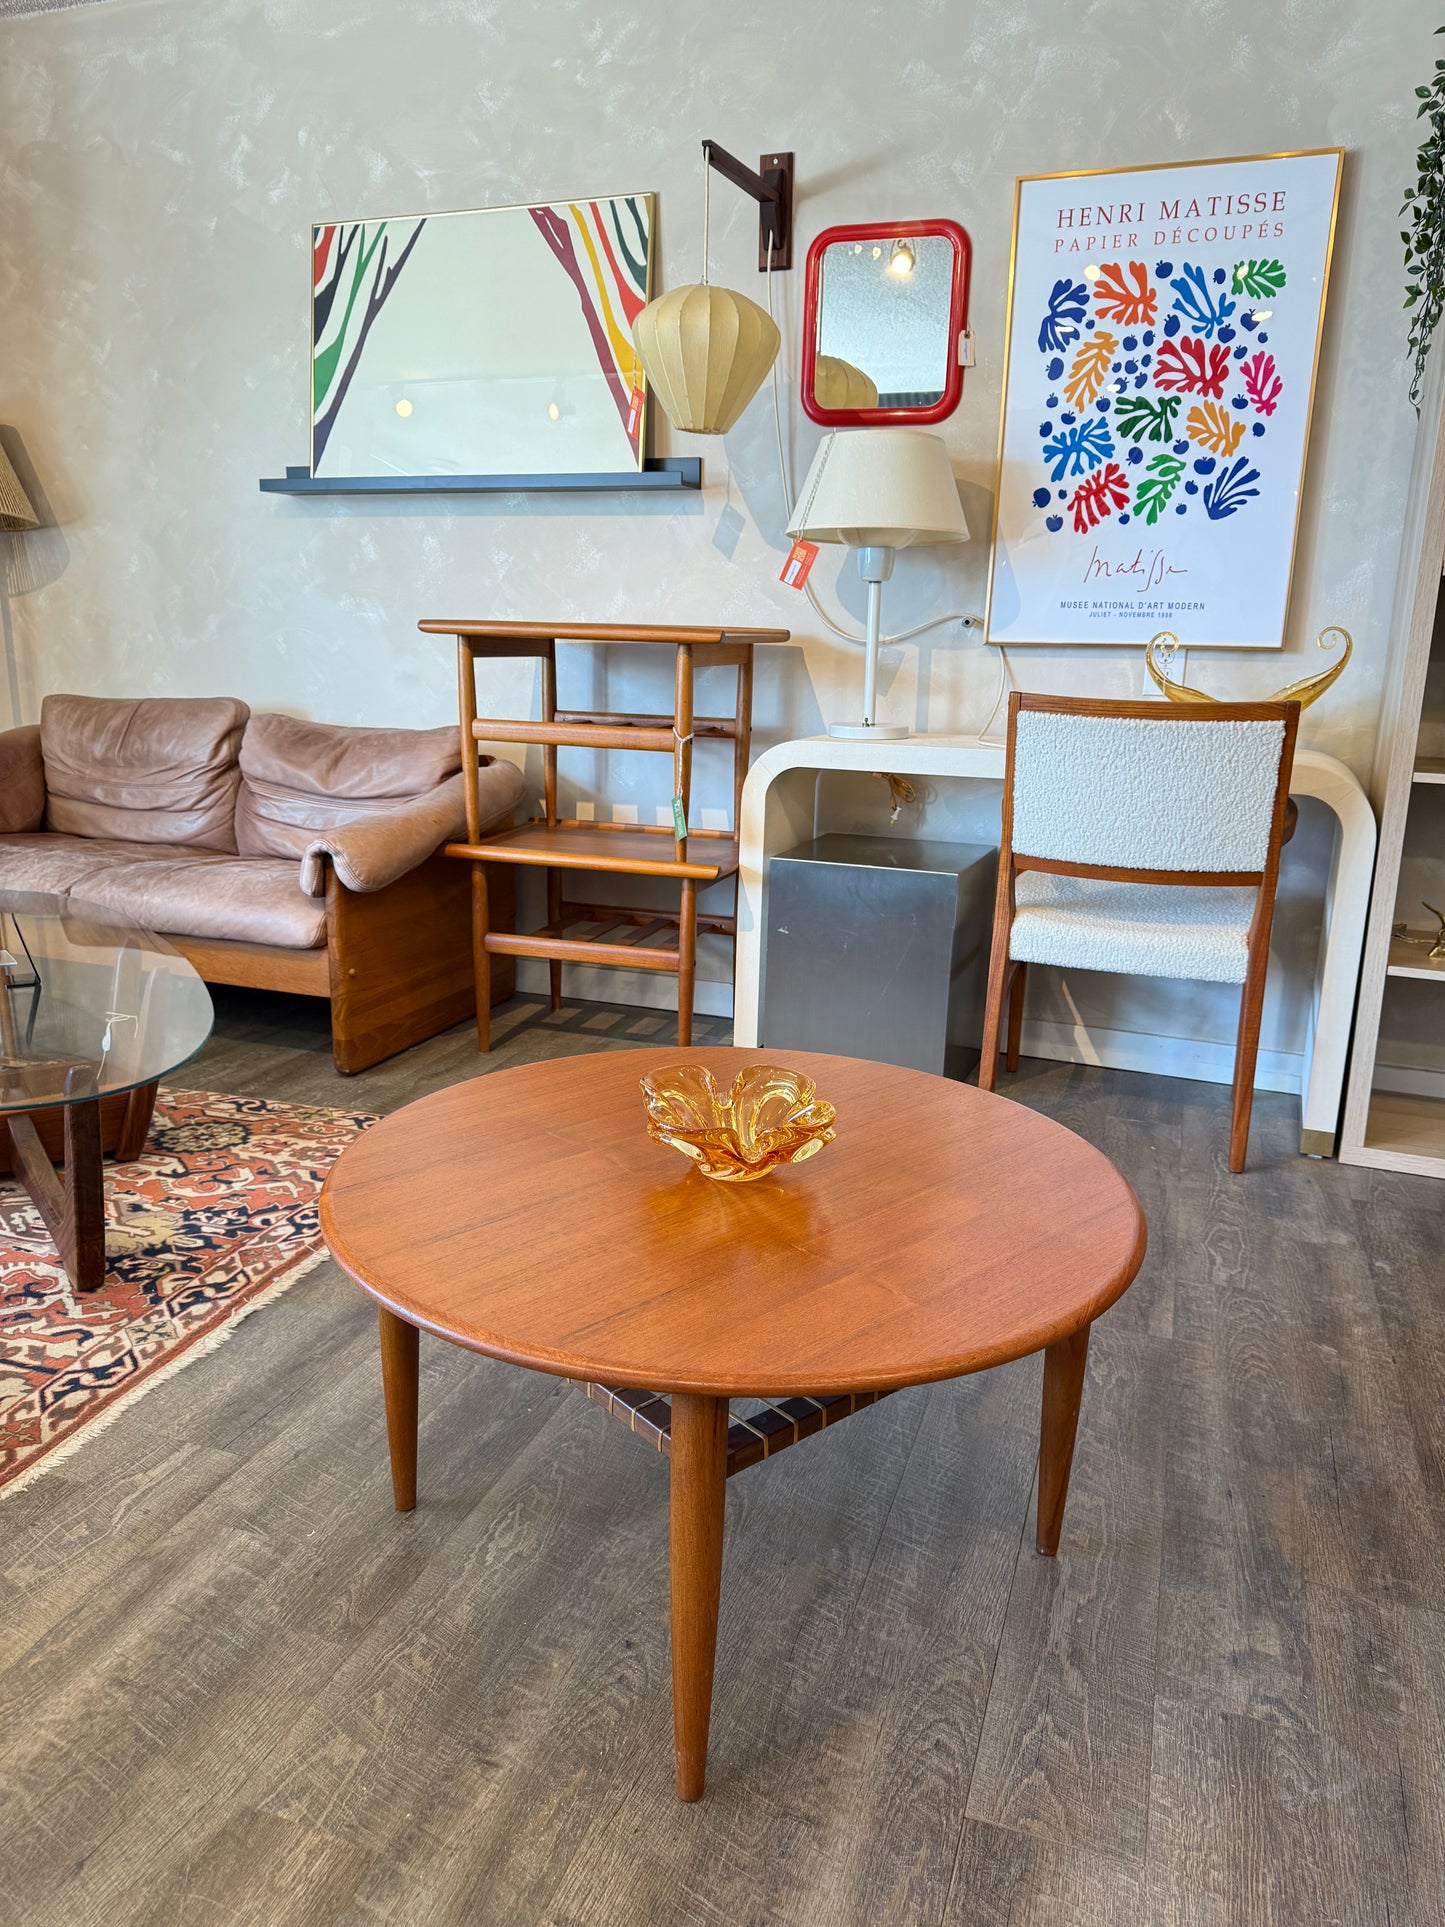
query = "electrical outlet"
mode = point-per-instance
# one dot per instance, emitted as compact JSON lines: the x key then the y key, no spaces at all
{"x":715,"y":820}
{"x":586,"y":812}
{"x":624,"y":812}
{"x":1148,"y":687}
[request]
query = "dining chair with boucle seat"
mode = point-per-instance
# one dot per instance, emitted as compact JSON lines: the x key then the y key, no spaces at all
{"x":1141,"y":839}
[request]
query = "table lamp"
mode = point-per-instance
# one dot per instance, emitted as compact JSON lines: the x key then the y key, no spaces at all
{"x":878,"y":490}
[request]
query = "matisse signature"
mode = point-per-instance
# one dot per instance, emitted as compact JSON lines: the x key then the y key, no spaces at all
{"x":1143,"y":573}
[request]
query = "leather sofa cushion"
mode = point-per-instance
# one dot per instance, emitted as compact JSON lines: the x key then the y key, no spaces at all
{"x":193,"y":893}
{"x":300,"y":778}
{"x":62,"y":864}
{"x":183,"y":893}
{"x":159,"y":770}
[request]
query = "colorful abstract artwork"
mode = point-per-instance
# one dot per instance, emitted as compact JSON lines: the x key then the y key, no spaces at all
{"x":1162,"y":344}
{"x":490,"y":343}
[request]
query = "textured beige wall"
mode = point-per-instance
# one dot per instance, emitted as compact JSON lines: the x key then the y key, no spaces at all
{"x":160,"y":161}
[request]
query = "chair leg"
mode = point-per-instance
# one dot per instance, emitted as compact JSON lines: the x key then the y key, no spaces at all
{"x":1246,"y":1055}
{"x":1015,"y":1016}
{"x":686,"y":960}
{"x":992,"y":1020}
{"x":481,"y":957}
{"x":698,"y":1476}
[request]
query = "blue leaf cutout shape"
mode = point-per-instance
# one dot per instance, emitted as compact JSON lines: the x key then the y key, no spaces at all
{"x":1229,"y":492}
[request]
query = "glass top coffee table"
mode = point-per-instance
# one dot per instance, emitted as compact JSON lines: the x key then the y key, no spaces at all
{"x":92,"y":1008}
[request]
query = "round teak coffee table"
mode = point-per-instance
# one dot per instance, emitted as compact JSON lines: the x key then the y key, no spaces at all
{"x":527,"y":1215}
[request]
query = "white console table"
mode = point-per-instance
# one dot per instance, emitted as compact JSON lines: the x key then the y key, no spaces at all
{"x":778,"y":812}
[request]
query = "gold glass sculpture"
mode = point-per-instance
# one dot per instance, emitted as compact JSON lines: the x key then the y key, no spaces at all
{"x":1436,"y":952}
{"x":1308,"y":689}
{"x":769,"y":1117}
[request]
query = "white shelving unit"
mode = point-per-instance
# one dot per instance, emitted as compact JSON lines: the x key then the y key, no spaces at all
{"x":1395,"y":1101}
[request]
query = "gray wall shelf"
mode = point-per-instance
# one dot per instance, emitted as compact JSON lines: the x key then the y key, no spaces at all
{"x":666,"y":473}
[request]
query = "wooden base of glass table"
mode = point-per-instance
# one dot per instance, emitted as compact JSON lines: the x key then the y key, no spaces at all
{"x":71,"y":1198}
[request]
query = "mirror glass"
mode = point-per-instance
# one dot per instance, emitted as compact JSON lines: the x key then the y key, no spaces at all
{"x":884,"y":336}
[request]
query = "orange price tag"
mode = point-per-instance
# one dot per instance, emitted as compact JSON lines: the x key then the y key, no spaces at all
{"x":801,"y":558}
{"x":634,"y":413}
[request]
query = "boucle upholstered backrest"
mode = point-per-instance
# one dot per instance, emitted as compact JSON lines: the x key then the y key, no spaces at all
{"x":1165,"y":792}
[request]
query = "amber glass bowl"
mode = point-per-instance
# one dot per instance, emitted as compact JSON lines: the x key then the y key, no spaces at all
{"x":770,"y":1116}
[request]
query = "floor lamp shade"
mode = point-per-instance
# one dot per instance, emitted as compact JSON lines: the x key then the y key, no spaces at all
{"x":880,"y":488}
{"x":15,"y":509}
{"x":705,"y":351}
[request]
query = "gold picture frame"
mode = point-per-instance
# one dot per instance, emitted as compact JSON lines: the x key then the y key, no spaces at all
{"x":1215,"y":474}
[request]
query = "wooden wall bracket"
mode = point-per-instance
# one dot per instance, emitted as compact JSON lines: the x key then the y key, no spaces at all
{"x":772,"y":188}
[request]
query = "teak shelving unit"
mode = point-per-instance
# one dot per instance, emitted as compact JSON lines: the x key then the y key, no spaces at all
{"x":587,"y":932}
{"x":1395,"y":1103}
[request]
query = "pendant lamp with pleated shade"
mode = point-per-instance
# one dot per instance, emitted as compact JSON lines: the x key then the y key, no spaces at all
{"x":705,"y":350}
{"x":15,"y":509}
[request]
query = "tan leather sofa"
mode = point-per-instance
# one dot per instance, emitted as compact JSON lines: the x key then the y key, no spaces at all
{"x":271,"y":852}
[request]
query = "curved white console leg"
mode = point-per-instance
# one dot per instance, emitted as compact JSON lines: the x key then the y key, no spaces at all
{"x":1342,"y":942}
{"x":778,"y":812}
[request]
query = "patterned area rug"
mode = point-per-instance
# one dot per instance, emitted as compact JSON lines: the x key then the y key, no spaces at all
{"x":218,"y":1216}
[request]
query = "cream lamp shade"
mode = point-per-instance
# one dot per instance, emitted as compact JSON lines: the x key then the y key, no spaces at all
{"x":705,"y":351}
{"x":877,"y":490}
{"x":884,"y":488}
{"x":15,"y":509}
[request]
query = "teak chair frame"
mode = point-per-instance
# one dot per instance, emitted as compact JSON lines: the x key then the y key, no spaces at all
{"x":1007,"y":977}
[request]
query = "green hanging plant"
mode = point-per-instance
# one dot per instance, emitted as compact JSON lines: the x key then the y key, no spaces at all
{"x":1425,"y":237}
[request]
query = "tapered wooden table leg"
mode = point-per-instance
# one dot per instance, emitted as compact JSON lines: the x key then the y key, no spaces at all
{"x":1064,"y":1365}
{"x":399,"y":1383}
{"x":699,"y":1476}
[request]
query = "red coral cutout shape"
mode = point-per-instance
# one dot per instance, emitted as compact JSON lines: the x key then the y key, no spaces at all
{"x":1193,"y":366}
{"x":1131,"y":307}
{"x":1262,"y":384}
{"x":1096,"y":498}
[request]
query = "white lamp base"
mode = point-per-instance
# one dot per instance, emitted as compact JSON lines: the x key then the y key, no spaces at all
{"x":868,"y":732}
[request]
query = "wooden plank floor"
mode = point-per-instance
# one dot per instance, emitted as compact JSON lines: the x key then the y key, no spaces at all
{"x":236,"y":1687}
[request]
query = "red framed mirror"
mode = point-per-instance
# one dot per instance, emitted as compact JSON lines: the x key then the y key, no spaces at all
{"x":886,"y":306}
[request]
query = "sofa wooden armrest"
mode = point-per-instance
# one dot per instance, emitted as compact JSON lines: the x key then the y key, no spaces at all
{"x":396,"y":967}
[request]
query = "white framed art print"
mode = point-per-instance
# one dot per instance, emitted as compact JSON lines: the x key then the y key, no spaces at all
{"x":1162,"y":345}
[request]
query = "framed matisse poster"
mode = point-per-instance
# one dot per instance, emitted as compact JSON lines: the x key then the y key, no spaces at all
{"x":1163,"y":338}
{"x":494,"y":342}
